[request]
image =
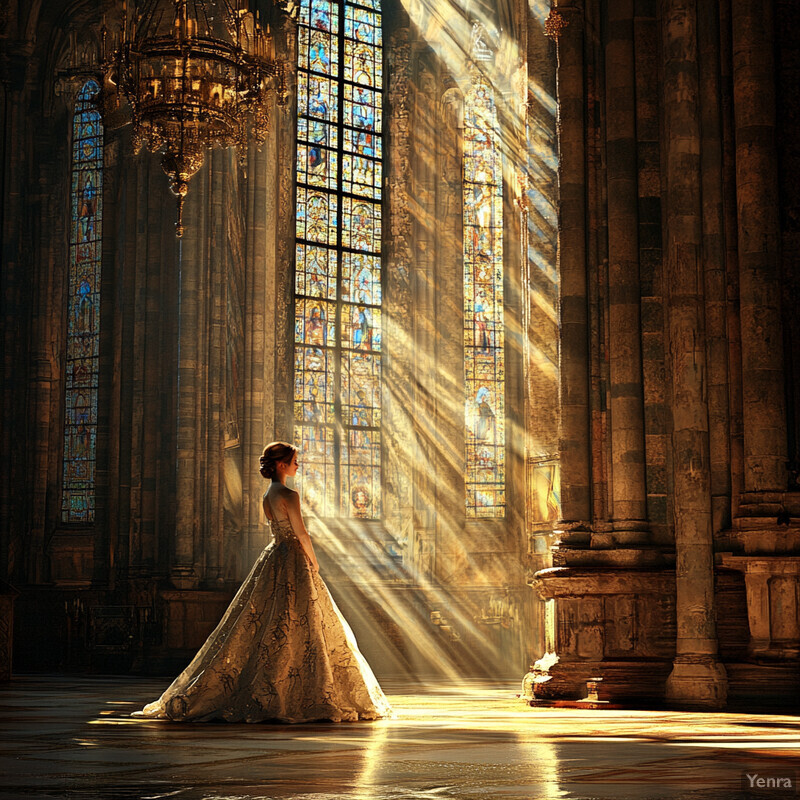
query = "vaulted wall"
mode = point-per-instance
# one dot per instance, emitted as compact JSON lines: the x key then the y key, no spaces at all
{"x":675,"y":564}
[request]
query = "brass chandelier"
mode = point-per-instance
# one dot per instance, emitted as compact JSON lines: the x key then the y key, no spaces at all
{"x":196,"y":74}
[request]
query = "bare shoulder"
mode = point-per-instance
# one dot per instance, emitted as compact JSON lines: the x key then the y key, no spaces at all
{"x":290,"y":495}
{"x":285,"y":493}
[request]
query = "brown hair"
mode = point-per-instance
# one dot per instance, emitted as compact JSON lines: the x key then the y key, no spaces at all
{"x":275,"y":453}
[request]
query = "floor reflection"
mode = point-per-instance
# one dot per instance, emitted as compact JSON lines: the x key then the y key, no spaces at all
{"x":71,"y":737}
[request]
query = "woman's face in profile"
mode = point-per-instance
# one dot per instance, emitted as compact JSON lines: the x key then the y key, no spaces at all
{"x":292,"y":466}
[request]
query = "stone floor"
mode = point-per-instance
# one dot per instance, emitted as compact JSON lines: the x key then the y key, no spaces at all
{"x":69,"y":737}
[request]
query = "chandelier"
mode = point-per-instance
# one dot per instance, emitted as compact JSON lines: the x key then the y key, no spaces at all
{"x":196,"y":74}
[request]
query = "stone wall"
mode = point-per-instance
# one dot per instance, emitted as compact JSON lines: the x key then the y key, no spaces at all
{"x":678,"y":404}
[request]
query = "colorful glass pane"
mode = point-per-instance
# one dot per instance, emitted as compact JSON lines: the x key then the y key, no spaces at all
{"x":317,"y":467}
{"x":362,"y":47}
{"x":361,"y":225}
{"x":321,"y":15}
{"x":316,"y":96}
{"x":317,"y":216}
{"x":317,"y":166}
{"x":361,"y":476}
{"x":361,"y":176}
{"x":483,"y":306}
{"x":319,"y":51}
{"x":315,"y":322}
{"x":314,"y":385}
{"x":361,"y":108}
{"x":361,"y":278}
{"x":316,"y":132}
{"x":362,"y":327}
{"x":83,"y":311}
{"x":315,"y":274}
{"x":361,"y":389}
{"x":362,"y":142}
{"x":338,"y":272}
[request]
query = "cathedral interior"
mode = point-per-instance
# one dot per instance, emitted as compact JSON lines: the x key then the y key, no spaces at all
{"x":515,"y":277}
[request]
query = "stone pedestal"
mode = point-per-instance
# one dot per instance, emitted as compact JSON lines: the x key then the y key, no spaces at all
{"x":187,"y":618}
{"x":697,"y":680}
{"x":616,"y":624}
{"x":773,"y":604}
{"x":72,"y":558}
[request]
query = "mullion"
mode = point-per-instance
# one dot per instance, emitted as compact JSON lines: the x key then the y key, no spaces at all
{"x":339,"y":429}
{"x":339,"y":349}
{"x":327,"y":427}
{"x":84,"y":118}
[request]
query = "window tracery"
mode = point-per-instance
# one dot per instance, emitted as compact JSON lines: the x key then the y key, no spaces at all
{"x":338,"y":360}
{"x":83,"y":311}
{"x":484,"y":337}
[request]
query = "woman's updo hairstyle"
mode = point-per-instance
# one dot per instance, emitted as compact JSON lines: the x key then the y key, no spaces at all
{"x":275,"y":453}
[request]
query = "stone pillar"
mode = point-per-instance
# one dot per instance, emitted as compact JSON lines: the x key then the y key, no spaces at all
{"x":191,"y":389}
{"x":398,"y":431}
{"x":574,"y":428}
{"x":439,"y":511}
{"x":259,"y":332}
{"x":713,"y":254}
{"x":733,"y":326}
{"x":628,"y":489}
{"x":427,"y":328}
{"x":697,"y":676}
{"x":764,"y":408}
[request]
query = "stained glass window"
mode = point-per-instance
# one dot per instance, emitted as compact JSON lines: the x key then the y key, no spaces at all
{"x":83,"y":310}
{"x":338,"y":362}
{"x":483,"y":305}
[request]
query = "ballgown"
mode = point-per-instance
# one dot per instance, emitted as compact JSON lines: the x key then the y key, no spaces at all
{"x":282,"y":651}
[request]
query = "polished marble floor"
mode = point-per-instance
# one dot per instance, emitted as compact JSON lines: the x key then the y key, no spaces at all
{"x":70,"y":737}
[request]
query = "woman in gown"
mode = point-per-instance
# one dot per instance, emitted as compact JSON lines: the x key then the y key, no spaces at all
{"x":282,"y":651}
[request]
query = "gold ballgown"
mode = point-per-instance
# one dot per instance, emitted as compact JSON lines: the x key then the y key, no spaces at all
{"x":282,"y":652}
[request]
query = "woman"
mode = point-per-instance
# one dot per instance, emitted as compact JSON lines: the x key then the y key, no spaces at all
{"x":282,"y":651}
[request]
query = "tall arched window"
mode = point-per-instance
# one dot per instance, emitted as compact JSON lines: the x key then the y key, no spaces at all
{"x":483,"y":304}
{"x":83,"y":310}
{"x":337,"y":391}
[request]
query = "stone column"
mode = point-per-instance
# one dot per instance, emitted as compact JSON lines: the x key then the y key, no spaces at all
{"x":628,"y":489}
{"x":733,"y":326}
{"x":222,"y":206}
{"x":764,"y":409}
{"x":574,"y":429}
{"x":426,"y":325}
{"x":191,"y":388}
{"x":697,"y":677}
{"x":259,"y":360}
{"x":713,"y":253}
{"x":398,"y":431}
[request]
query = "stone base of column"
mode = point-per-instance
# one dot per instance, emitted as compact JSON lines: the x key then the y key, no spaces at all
{"x":72,"y":559}
{"x":635,"y":681}
{"x":572,"y":533}
{"x":186,"y":619}
{"x":761,"y":535}
{"x":609,"y":555}
{"x":697,"y":681}
{"x":609,"y":622}
{"x":183,"y":578}
{"x":769,"y":504}
{"x":631,"y":532}
{"x":624,"y":544}
{"x":772,"y":584}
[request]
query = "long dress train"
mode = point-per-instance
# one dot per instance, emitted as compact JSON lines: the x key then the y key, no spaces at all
{"x":282,"y":651}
